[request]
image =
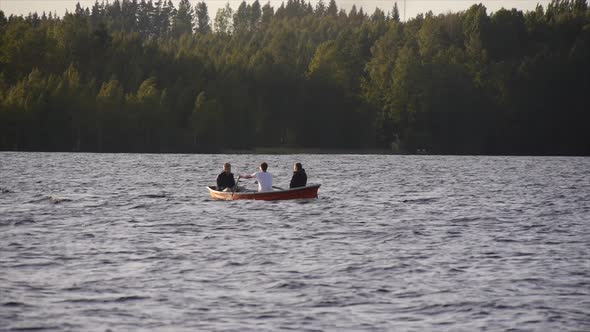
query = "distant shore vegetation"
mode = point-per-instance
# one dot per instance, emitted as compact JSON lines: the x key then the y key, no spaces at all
{"x":146,"y":76}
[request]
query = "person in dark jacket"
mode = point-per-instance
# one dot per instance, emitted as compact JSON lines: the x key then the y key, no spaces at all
{"x":225,"y":180}
{"x":299,"y":178}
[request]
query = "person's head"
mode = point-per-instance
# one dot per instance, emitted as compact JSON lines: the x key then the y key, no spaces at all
{"x":227,"y":167}
{"x":264,"y":166}
{"x":297,"y":167}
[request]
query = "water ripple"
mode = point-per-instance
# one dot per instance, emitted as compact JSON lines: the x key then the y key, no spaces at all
{"x":394,"y":243}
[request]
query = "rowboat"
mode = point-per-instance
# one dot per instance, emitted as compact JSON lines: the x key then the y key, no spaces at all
{"x":310,"y":191}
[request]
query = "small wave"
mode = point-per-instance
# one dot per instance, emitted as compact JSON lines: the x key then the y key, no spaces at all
{"x":464,"y":219}
{"x":38,"y":200}
{"x":409,"y":294}
{"x":289,"y":285}
{"x":154,"y":195}
{"x":109,"y":300}
{"x":505,"y":240}
{"x":131,"y":298}
{"x":105,"y":203}
{"x":35,"y":264}
{"x":491,"y":254}
{"x":37,"y":328}
{"x":327,"y":304}
{"x":421,"y":200}
{"x":6,"y":191}
{"x":57,"y":200}
{"x":18,"y":222}
{"x":234,"y":264}
{"x":454,"y":233}
{"x":25,"y":221}
{"x":267,"y":316}
{"x":14,"y":304}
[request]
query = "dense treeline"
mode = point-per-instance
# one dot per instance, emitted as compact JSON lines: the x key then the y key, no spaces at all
{"x":143,"y":76}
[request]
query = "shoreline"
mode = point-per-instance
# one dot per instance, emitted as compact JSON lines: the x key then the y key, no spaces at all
{"x":310,"y":151}
{"x":285,"y":151}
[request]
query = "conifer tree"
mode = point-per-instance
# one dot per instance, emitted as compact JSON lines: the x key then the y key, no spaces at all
{"x":202,"y":13}
{"x":395,"y":13}
{"x":183,"y":21}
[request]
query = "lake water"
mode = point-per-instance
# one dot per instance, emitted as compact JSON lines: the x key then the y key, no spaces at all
{"x":120,"y":242}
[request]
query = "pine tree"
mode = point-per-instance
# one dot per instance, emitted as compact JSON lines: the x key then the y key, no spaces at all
{"x":202,"y":13}
{"x":183,"y":21}
{"x":395,"y":13}
{"x":332,"y":9}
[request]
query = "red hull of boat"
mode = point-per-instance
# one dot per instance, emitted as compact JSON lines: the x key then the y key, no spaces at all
{"x":296,"y":193}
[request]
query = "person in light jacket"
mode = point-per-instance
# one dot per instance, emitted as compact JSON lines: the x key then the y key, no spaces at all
{"x":263,"y":177}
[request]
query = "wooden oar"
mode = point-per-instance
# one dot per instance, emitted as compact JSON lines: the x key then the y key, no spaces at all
{"x":279,"y":188}
{"x":235,"y":187}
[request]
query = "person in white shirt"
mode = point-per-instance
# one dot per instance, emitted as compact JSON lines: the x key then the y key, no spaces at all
{"x":263,"y":177}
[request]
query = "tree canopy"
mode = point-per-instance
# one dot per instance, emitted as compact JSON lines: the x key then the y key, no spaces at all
{"x":145,"y":76}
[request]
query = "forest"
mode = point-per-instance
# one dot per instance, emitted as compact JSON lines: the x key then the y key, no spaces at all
{"x":149,"y":76}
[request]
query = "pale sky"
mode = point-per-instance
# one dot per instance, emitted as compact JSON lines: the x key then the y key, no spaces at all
{"x":414,"y":7}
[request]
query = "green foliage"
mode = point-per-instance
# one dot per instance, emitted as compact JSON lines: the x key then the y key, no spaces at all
{"x":395,"y":13}
{"x":202,"y":15}
{"x":144,"y":76}
{"x":223,"y":20}
{"x":183,"y":23}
